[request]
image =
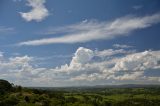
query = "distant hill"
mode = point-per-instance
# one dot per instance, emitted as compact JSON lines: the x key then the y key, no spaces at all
{"x":77,"y":88}
{"x":127,"y":86}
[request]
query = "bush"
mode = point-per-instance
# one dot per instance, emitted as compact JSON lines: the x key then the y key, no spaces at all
{"x":11,"y":101}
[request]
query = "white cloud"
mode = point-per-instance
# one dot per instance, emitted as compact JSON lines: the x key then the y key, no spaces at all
{"x":13,"y":64}
{"x":139,"y":61}
{"x":132,"y":76}
{"x":122,"y":46}
{"x":93,"y":30}
{"x":153,"y":78}
{"x":38,"y":11}
{"x":97,"y":76}
{"x":111,"y":52}
{"x":130,"y":66}
{"x":82,"y":56}
{"x":84,"y":77}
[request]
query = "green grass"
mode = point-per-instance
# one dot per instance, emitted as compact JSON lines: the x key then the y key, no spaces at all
{"x":100,"y":97}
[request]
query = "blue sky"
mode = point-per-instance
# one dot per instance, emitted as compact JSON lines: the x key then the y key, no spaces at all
{"x":79,"y":42}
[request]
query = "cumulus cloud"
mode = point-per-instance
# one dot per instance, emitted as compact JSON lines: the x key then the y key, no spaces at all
{"x":94,"y":30}
{"x":38,"y":11}
{"x":129,"y":66}
{"x":139,"y":61}
{"x":82,"y":55}
{"x":13,"y":64}
{"x":20,"y":70}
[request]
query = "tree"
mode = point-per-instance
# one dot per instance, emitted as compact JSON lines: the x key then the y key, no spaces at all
{"x":4,"y":86}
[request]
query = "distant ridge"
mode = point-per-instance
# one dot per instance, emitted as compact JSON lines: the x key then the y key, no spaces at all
{"x":99,"y":86}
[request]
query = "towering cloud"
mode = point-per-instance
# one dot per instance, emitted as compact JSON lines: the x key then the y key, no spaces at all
{"x":130,"y":66}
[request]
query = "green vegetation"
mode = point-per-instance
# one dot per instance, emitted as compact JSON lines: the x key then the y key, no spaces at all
{"x":11,"y":95}
{"x":4,"y":86}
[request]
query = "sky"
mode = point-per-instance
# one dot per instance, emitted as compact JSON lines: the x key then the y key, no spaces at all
{"x":55,"y":43}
